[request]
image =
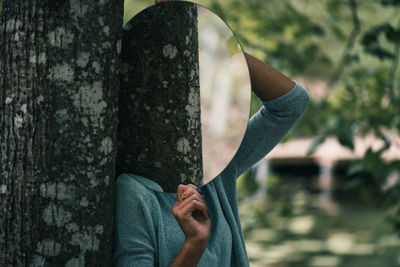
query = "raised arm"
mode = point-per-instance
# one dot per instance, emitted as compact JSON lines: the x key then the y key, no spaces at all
{"x":284,"y":101}
{"x":266,"y":82}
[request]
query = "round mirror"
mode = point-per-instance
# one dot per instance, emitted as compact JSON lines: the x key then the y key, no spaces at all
{"x":225,"y":92}
{"x":184,"y":98}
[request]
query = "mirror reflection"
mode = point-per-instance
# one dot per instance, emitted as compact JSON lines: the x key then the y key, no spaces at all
{"x":185,"y":95}
{"x":225,"y":92}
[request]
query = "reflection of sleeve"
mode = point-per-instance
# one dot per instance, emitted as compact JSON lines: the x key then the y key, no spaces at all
{"x":267,"y":127}
{"x":133,"y":241}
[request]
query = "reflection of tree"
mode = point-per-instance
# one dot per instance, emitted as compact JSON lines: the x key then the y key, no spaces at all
{"x":59,"y":65}
{"x":225,"y":92}
{"x":159,"y":112}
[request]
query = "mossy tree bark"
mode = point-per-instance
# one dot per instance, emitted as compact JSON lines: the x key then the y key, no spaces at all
{"x":59,"y":80}
{"x":159,"y":131}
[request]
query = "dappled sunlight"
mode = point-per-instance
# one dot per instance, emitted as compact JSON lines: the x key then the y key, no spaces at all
{"x":301,"y":224}
{"x":325,"y":261}
{"x":389,"y":241}
{"x":308,"y":245}
{"x":263,"y":235}
{"x":363,"y":249}
{"x":305,"y":234}
{"x":340,"y":243}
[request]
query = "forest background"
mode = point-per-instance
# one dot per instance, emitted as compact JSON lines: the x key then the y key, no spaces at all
{"x":346,"y":53}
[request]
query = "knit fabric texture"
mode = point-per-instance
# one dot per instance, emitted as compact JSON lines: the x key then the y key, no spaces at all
{"x":146,"y":232}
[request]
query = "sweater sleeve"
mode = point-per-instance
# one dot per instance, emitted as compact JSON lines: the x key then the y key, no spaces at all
{"x":133,"y":243}
{"x":267,"y":127}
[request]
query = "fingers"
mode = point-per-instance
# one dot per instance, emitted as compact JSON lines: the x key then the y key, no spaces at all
{"x":191,"y":202}
{"x":187,"y":192}
{"x":195,"y":203}
{"x":187,"y":189}
{"x":191,"y":214}
{"x":184,"y":209}
{"x":183,"y":187}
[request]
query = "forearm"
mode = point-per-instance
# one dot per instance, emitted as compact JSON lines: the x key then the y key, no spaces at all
{"x":266,"y":82}
{"x":267,"y":127}
{"x":189,"y":255}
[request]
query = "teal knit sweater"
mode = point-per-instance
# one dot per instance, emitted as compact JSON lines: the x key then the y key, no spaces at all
{"x":146,"y":232}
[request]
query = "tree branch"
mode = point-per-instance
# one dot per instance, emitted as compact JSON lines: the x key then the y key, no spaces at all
{"x":393,"y":71}
{"x":349,"y":44}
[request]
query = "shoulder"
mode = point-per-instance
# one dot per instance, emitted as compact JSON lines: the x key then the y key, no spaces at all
{"x":128,"y":182}
{"x":129,"y":187}
{"x":135,"y":223}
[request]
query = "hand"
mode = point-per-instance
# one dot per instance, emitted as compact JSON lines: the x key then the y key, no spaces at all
{"x":190,"y":211}
{"x":159,"y":1}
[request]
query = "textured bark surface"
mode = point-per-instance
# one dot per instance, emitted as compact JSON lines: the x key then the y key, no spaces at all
{"x":59,"y":85}
{"x":159,"y":131}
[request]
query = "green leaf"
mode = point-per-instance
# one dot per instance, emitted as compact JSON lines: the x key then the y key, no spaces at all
{"x":337,"y":31}
{"x":354,"y":183}
{"x":334,"y":6}
{"x":233,"y":46}
{"x":317,"y":142}
{"x":372,"y":161}
{"x":385,"y":138}
{"x":351,"y":58}
{"x":390,"y":2}
{"x":355,"y":168}
{"x":380,"y":52}
{"x":317,"y":30}
{"x":345,"y":138}
{"x":393,"y":35}
{"x":380,"y":28}
{"x":371,"y":36}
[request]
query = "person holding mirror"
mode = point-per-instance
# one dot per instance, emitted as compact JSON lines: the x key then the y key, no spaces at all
{"x":201,"y":226}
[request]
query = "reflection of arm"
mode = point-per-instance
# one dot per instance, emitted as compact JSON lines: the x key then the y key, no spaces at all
{"x":133,"y":241}
{"x":267,"y":82}
{"x":267,"y":127}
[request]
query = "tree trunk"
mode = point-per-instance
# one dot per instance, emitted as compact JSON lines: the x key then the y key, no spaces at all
{"x":159,"y":131}
{"x":58,"y":104}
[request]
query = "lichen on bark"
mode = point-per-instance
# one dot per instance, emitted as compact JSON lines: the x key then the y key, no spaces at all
{"x":159,"y":130}
{"x":58,"y":106}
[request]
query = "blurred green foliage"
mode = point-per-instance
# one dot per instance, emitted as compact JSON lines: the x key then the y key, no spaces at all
{"x":352,"y":46}
{"x":132,"y":7}
{"x":248,"y":184}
